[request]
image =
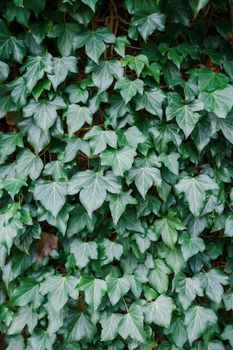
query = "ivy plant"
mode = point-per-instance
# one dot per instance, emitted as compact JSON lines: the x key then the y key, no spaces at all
{"x":116,"y":173}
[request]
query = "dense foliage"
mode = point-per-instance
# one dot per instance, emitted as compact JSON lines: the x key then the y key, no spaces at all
{"x":116,"y":208}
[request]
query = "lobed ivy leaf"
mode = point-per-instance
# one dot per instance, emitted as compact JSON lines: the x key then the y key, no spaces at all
{"x":194,"y":189}
{"x":159,"y":311}
{"x":197,"y":320}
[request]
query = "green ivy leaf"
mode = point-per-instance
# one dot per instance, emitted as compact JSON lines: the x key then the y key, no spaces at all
{"x":10,"y":46}
{"x":110,"y":326}
{"x":167,"y":227}
{"x":144,"y":178}
{"x":59,"y":288}
{"x":94,"y":290}
{"x":51,"y":194}
{"x":228,"y":334}
{"x":35,"y":67}
{"x":61,"y":67}
{"x":29,"y":164}
{"x":112,"y":250}
{"x":13,"y":185}
{"x":185,"y":113}
{"x":219,"y":101}
{"x":24,"y":317}
{"x":83,"y":329}
{"x":99,"y":139}
{"x":105,"y":72}
{"x":27,"y":292}
{"x":209,"y":80}
{"x":187,"y":289}
{"x":129,"y":88}
{"x":65,"y":34}
{"x":41,"y":340}
{"x":94,"y":42}
{"x":159,"y":311}
{"x":83,"y":252}
{"x":76,"y":117}
{"x":117,"y":287}
{"x":212,"y":282}
{"x":120,"y":160}
{"x":197,"y":320}
{"x":152,"y":101}
{"x":197,"y":5}
{"x":158,"y":276}
{"x":118,"y":203}
{"x":4,"y":71}
{"x":148,"y":24}
{"x":191,"y":245}
{"x":136,"y":63}
{"x":194,"y":189}
{"x":44,"y":112}
{"x":90,"y":3}
{"x":131,"y":325}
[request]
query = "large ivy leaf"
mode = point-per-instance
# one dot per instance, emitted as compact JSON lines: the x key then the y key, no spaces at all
{"x":94,"y":290}
{"x":134,"y":136}
{"x":167,"y":228}
{"x":159,"y":311}
{"x":83,"y":252}
{"x":105,"y":72}
{"x":197,"y":320}
{"x":144,"y":178}
{"x":197,"y":5}
{"x":218,"y":101}
{"x":131,"y":325}
{"x":65,"y":34}
{"x":41,"y":340}
{"x":117,"y":287}
{"x":59,"y":288}
{"x":4,"y":71}
{"x":148,"y":24}
{"x":228,"y":334}
{"x":93,"y":194}
{"x":136,"y":63}
{"x":158,"y":276}
{"x":29,"y":164}
{"x":191,"y":245}
{"x":194,"y":189}
{"x":24,"y":317}
{"x":185,"y":113}
{"x":120,"y":160}
{"x":110,"y":326}
{"x":76,"y":117}
{"x":10,"y":46}
{"x":44,"y":112}
{"x":27,"y":292}
{"x":152,"y":101}
{"x":212,"y":282}
{"x":75,"y":144}
{"x":51,"y":194}
{"x":129,"y":88}
{"x":90,"y":3}
{"x":35,"y":67}
{"x":113,"y":250}
{"x":209,"y":80}
{"x":94,"y":42}
{"x":118,"y":203}
{"x":61,"y":67}
{"x":177,"y":332}
{"x":187,"y":289}
{"x":99,"y":139}
{"x":83,"y":329}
